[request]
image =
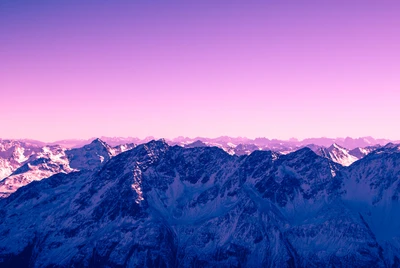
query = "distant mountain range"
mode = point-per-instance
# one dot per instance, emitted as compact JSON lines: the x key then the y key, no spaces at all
{"x":349,"y":143}
{"x":227,"y":202}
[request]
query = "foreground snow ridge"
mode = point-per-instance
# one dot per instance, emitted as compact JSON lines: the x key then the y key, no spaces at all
{"x":196,"y":205}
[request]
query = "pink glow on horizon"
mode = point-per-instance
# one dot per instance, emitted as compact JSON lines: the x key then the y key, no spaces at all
{"x":256,"y":70}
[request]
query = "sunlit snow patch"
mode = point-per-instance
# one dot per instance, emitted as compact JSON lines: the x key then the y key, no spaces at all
{"x":137,"y":182}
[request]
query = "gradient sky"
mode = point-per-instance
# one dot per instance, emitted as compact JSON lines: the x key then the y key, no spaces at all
{"x":276,"y":69}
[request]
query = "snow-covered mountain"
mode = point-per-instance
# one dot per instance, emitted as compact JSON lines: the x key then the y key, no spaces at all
{"x":337,"y":154}
{"x":13,"y":154}
{"x":361,"y":152}
{"x":25,"y":163}
{"x":41,"y":164}
{"x":168,"y":206}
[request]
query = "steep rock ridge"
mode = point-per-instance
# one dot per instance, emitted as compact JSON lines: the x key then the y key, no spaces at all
{"x":300,"y":173}
{"x":162,"y":206}
{"x":122,"y":148}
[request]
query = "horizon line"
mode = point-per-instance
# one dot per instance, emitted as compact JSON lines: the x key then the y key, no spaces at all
{"x":149,"y":138}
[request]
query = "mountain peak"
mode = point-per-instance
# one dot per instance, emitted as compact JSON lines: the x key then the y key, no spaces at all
{"x":197,"y":143}
{"x":336,"y":146}
{"x":391,"y":145}
{"x":160,"y":144}
{"x":98,"y":141}
{"x":305,"y":152}
{"x":388,"y":148}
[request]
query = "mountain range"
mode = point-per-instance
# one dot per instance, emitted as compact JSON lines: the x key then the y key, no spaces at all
{"x":200,"y":203}
{"x":348,"y":142}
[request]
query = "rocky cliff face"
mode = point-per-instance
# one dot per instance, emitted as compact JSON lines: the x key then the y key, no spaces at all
{"x":163,"y":206}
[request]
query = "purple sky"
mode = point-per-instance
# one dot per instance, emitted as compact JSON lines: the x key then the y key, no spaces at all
{"x":276,"y":69}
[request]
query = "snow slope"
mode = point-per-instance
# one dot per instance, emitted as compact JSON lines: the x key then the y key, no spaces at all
{"x":336,"y":153}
